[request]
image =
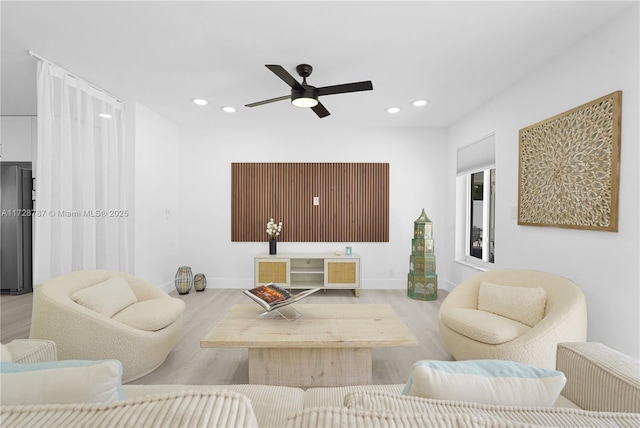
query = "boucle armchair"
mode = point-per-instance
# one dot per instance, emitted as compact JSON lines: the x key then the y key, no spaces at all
{"x":119,"y":317}
{"x":472,"y":332}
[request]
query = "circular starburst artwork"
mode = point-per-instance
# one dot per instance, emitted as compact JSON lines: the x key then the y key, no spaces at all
{"x":569,"y":168}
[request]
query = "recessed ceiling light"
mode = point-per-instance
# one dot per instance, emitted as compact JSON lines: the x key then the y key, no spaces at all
{"x":228,"y":109}
{"x":200,"y":101}
{"x":420,"y":103}
{"x":393,"y":109}
{"x":105,"y":115}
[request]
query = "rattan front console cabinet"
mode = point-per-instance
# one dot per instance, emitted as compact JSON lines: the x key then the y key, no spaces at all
{"x":309,"y":270}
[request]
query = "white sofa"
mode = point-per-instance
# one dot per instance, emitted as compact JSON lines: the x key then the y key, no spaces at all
{"x":602,"y":389}
{"x":135,"y":323}
{"x":492,"y":328}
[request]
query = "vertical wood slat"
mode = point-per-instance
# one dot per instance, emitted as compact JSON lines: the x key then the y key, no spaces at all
{"x":354,"y":201}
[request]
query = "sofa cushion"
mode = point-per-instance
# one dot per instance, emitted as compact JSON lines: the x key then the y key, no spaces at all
{"x":334,"y":395}
{"x":509,"y":416}
{"x":396,"y":402}
{"x":271,"y":404}
{"x":485,"y":381}
{"x":151,"y":315}
{"x":482,"y":326}
{"x":522,"y":304}
{"x":202,"y":409}
{"x":61,"y":382}
{"x":358,"y":418}
{"x":107,"y":297}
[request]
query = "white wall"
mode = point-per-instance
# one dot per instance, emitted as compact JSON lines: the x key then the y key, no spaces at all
{"x":18,"y":139}
{"x":604,"y":264}
{"x":416,"y":178}
{"x":156,"y":193}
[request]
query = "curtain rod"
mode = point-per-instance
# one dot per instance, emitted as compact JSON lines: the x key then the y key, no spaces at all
{"x":43,"y":59}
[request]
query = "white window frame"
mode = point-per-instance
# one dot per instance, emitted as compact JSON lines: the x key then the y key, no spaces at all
{"x":473,"y":158}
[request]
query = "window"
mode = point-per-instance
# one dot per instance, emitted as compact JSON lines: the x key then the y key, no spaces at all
{"x":481,"y":218}
{"x":475,"y":203}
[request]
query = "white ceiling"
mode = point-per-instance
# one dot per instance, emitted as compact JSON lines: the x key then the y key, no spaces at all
{"x":456,"y":54}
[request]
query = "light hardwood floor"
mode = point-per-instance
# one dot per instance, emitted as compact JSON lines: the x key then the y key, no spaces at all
{"x":190,"y":364}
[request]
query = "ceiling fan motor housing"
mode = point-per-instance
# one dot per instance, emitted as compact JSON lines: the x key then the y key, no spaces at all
{"x":307,"y":92}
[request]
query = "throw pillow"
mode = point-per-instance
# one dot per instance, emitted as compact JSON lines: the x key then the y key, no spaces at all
{"x":61,"y":382}
{"x":5,"y":357}
{"x":106,"y":298}
{"x":151,"y":315}
{"x":522,"y":304}
{"x":485,"y":381}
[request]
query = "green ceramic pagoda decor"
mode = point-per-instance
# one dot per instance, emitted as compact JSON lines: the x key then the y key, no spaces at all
{"x":423,"y":281}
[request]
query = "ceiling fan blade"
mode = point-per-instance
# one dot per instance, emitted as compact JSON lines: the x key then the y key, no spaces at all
{"x":347,"y":87}
{"x":320,"y":110}
{"x":271,"y":100}
{"x":279,"y":71}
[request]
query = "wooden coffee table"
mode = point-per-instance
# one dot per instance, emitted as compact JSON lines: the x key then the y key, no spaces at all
{"x":329,"y":345}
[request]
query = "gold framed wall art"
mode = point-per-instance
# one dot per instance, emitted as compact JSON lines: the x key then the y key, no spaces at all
{"x":569,"y":168}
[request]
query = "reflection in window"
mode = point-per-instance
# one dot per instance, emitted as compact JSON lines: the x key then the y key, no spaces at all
{"x":481,"y":215}
{"x":477,"y":214}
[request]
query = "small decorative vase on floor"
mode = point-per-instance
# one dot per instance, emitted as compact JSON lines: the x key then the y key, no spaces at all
{"x":272,"y":246}
{"x":184,"y":280}
{"x":200,"y":282}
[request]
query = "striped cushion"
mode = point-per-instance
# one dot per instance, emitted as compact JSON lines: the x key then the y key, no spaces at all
{"x":179,"y":409}
{"x":271,"y":404}
{"x":545,"y":416}
{"x":32,"y":350}
{"x":356,"y":418}
{"x":334,"y":396}
{"x":602,"y":378}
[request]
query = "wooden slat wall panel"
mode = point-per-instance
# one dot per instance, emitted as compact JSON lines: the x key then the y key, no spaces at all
{"x":354,"y":201}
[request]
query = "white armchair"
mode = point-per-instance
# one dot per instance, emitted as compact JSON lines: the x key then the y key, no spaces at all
{"x":472,"y":333}
{"x":140,"y":336}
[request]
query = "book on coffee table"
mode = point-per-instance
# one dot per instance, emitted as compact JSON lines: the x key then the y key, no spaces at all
{"x":271,"y":296}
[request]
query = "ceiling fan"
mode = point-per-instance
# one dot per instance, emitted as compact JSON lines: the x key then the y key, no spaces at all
{"x":304,"y":95}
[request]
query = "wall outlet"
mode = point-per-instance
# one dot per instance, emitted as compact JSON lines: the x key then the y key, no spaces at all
{"x":316,"y":200}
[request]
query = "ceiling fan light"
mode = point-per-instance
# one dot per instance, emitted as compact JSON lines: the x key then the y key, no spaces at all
{"x":304,"y":102}
{"x":305,"y":96}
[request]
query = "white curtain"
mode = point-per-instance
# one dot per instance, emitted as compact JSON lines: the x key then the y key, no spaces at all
{"x":81,"y":219}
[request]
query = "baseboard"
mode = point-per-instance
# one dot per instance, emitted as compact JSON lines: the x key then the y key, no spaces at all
{"x":167,"y":287}
{"x":385,"y":284}
{"x":246,"y":283}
